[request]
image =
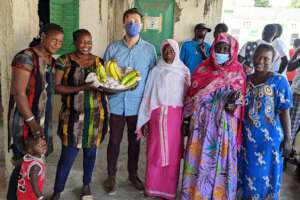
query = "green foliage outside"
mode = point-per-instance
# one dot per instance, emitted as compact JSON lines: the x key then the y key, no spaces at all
{"x":262,"y":3}
{"x":295,"y":4}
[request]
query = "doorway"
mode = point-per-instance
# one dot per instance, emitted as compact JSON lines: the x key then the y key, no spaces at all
{"x":158,"y":20}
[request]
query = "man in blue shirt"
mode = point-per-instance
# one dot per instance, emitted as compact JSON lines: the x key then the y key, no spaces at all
{"x":131,"y":51}
{"x":193,"y":52}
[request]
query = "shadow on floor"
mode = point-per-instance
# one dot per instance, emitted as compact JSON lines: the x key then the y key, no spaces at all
{"x":290,"y":188}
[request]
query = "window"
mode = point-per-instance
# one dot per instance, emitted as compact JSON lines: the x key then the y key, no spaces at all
{"x":66,"y":14}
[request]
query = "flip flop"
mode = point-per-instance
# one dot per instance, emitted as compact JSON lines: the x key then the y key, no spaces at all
{"x":87,"y":197}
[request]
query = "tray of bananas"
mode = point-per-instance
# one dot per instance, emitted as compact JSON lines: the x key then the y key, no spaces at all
{"x":112,"y":79}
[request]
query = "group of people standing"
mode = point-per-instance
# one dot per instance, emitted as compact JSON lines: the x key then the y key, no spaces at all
{"x":238,"y":126}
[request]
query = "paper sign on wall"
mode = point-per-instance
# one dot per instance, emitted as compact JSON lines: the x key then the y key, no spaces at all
{"x":153,"y":23}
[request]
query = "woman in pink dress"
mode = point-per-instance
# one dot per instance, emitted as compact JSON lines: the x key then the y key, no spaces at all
{"x":160,"y":117}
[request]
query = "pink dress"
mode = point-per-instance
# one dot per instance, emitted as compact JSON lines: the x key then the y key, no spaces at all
{"x":164,"y":152}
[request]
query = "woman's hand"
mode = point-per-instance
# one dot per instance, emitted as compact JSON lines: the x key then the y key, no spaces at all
{"x":185,"y":127}
{"x":234,"y":96}
{"x":145,"y":129}
{"x":285,"y":121}
{"x":230,"y":106}
{"x":66,"y":89}
{"x":35,"y":129}
{"x":43,"y":145}
{"x":89,"y":86}
{"x":287,"y":148}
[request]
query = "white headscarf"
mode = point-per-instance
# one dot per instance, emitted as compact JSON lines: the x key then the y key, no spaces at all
{"x":166,"y":85}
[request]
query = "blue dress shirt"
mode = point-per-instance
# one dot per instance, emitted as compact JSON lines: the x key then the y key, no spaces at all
{"x":141,"y":57}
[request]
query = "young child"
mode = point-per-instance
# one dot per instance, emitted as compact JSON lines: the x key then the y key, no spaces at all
{"x":32,"y":174}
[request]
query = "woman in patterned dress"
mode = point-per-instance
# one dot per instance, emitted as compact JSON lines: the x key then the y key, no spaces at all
{"x":83,"y":118}
{"x":214,"y":105}
{"x":30,"y":103}
{"x":266,"y":129}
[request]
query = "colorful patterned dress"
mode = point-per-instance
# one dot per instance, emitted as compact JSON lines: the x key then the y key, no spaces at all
{"x":210,"y":170}
{"x":210,"y":163}
{"x":83,"y":118}
{"x":260,"y":159}
{"x":40,"y":90}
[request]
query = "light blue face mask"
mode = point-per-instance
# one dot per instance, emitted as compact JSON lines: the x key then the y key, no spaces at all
{"x":222,"y":58}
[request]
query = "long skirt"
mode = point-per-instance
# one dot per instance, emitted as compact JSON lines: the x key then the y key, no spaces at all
{"x":210,"y":169}
{"x":164,"y":152}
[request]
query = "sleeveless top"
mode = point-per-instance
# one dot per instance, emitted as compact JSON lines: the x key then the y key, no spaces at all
{"x":24,"y":189}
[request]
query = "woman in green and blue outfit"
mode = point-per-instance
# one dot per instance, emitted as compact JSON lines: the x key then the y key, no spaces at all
{"x":83,"y":119}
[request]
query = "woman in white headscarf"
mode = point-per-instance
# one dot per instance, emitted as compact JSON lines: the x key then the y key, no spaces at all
{"x":160,"y":117}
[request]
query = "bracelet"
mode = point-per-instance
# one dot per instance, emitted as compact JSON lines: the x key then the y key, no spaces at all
{"x":36,"y":134}
{"x":29,"y":119}
{"x":230,"y":104}
{"x":186,"y":121}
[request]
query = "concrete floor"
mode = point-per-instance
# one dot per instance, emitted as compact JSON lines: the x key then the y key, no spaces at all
{"x":290,"y":188}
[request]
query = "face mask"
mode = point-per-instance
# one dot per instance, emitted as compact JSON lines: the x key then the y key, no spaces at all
{"x":222,"y":58}
{"x":132,"y":29}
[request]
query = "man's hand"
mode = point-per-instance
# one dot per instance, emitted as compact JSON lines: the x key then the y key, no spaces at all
{"x":203,"y":51}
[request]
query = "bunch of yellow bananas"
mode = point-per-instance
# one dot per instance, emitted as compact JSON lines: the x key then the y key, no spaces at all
{"x":130,"y":78}
{"x":101,"y":74}
{"x":113,"y":70}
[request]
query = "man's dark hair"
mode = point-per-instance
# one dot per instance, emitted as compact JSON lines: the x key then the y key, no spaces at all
{"x":131,"y":11}
{"x":279,"y":30}
{"x":221,"y":28}
{"x":264,"y":47}
{"x":269,"y":31}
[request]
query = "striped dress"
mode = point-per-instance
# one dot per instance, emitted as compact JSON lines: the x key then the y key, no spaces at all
{"x":83,"y":118}
{"x":39,"y":93}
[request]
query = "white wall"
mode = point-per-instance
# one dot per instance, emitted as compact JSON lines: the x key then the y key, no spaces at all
{"x":247,"y":27}
{"x":193,"y":13}
{"x":93,"y":15}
